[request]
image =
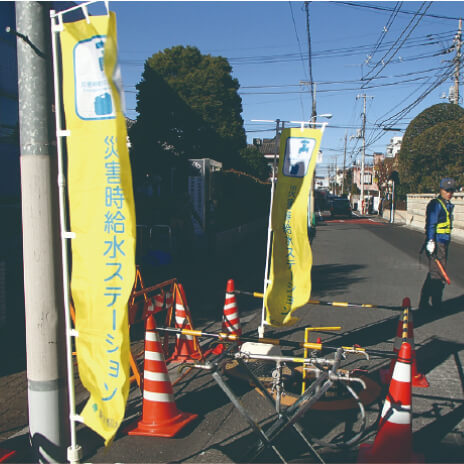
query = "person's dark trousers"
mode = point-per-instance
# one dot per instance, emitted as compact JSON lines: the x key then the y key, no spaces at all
{"x":433,"y":285}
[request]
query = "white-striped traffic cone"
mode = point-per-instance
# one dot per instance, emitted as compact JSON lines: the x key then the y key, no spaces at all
{"x":160,"y":416}
{"x":393,"y":442}
{"x":187,"y":348}
{"x":230,"y":319}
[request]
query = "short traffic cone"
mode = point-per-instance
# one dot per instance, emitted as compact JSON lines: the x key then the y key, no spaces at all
{"x":187,"y":348}
{"x":230,"y":319}
{"x":393,"y":442}
{"x":160,"y":416}
{"x":418,"y":379}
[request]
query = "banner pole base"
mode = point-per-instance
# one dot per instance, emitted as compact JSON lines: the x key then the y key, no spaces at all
{"x":74,"y":454}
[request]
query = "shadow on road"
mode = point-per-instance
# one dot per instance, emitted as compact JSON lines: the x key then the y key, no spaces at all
{"x":434,"y":351}
{"x":428,"y":440}
{"x":332,"y":277}
{"x":449,"y":307}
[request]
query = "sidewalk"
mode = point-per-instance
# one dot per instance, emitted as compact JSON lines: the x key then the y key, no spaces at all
{"x":204,"y":278}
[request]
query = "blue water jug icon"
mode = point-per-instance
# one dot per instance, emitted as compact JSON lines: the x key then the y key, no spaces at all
{"x":103,"y":104}
{"x":100,"y":46}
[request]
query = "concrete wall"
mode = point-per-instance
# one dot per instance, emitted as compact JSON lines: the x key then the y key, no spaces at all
{"x":414,"y":216}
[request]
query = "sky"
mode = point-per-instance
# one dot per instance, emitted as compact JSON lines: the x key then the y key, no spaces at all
{"x":392,"y":52}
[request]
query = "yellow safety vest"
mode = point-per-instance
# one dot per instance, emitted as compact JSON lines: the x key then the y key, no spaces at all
{"x":444,"y":227}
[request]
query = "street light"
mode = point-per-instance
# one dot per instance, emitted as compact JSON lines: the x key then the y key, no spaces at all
{"x":325,"y":115}
{"x":314,"y":117}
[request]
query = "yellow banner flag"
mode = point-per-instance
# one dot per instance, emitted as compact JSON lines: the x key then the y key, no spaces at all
{"x":291,"y":260}
{"x":102,"y":217}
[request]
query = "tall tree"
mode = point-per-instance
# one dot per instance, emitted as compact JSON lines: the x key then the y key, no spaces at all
{"x":189,"y":108}
{"x":432,"y":148}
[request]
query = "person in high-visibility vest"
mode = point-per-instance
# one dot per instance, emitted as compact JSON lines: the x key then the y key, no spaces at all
{"x":438,"y":225}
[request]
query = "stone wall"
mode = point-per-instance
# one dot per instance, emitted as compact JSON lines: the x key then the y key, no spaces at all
{"x":414,"y":216}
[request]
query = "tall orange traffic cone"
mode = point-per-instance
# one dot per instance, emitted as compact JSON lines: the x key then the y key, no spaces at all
{"x":160,"y":416}
{"x":393,"y":442}
{"x":418,"y":379}
{"x":230,"y":319}
{"x":187,"y":348}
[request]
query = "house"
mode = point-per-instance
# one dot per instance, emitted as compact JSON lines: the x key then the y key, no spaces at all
{"x":394,"y":146}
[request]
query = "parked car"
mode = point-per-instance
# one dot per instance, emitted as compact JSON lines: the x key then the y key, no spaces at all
{"x":340,"y":207}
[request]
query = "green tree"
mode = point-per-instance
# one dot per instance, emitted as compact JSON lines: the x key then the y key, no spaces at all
{"x":431,"y":148}
{"x":188,"y":107}
{"x":254,"y":163}
{"x":441,"y":151}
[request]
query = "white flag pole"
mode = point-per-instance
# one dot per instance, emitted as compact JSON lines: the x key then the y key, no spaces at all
{"x":75,"y":450}
{"x":269,"y":228}
{"x":279,"y":126}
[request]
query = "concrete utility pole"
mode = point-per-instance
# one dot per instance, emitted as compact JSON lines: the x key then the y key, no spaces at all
{"x":344,"y":164}
{"x":46,"y":370}
{"x":311,"y":81}
{"x":457,"y":66}
{"x":363,"y":136}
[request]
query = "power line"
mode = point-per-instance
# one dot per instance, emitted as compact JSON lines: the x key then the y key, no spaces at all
{"x":297,"y":37}
{"x":382,"y":8}
{"x":352,"y":89}
{"x":385,"y":30}
{"x":395,"y":51}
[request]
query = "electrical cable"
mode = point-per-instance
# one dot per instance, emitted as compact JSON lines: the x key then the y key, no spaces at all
{"x":385,"y":29}
{"x":394,"y":52}
{"x":376,"y":7}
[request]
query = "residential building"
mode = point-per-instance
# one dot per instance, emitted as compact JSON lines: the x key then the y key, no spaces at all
{"x":370,"y":187}
{"x":267,"y":147}
{"x":394,"y":146}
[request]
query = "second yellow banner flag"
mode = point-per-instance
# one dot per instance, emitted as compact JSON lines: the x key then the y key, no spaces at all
{"x":291,"y":260}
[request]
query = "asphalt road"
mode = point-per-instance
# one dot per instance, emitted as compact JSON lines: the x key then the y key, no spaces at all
{"x":356,"y":261}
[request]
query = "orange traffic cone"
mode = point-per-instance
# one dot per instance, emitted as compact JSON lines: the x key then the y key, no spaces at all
{"x":393,"y":442}
{"x":187,"y":348}
{"x":153,"y":305}
{"x":160,"y":416}
{"x":230,"y":319}
{"x":418,"y":379}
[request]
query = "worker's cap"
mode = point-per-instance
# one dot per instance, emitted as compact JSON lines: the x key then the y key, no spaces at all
{"x":448,"y":183}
